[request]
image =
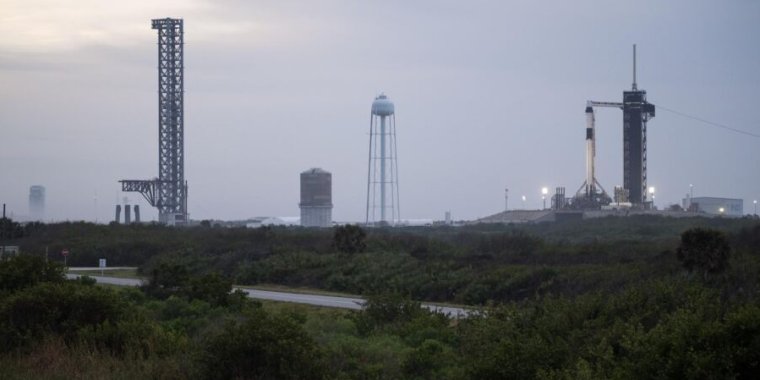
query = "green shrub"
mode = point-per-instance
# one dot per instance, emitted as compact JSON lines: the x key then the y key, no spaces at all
{"x":55,"y":308}
{"x":387,"y":309}
{"x":24,"y":271}
{"x":137,"y":337}
{"x":263,"y":346}
{"x":704,"y":250}
{"x":349,"y":239}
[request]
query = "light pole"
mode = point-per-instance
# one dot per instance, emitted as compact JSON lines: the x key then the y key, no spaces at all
{"x":651,"y":193}
{"x":544,"y":191}
{"x":523,"y":199}
{"x":721,"y":210}
{"x":755,"y":203}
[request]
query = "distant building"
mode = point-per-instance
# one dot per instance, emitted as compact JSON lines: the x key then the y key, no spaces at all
{"x":8,"y":251}
{"x":37,"y":202}
{"x":273,"y":221}
{"x":316,"y":198}
{"x":415,"y":222}
{"x":715,"y":206}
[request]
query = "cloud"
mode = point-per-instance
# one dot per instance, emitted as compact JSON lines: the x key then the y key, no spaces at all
{"x":51,"y":25}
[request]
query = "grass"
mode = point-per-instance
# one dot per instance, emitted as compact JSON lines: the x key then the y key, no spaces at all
{"x":292,"y":307}
{"x":110,"y":286}
{"x":54,"y":359}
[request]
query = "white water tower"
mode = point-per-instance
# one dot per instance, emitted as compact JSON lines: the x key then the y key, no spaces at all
{"x":382,"y":172}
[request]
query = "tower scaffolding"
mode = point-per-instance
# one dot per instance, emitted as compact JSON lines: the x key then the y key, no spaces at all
{"x":168,"y":192}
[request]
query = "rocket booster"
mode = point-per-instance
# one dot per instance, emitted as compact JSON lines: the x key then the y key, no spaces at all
{"x":590,"y":151}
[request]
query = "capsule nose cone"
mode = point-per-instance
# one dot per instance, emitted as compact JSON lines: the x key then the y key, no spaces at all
{"x":589,"y":110}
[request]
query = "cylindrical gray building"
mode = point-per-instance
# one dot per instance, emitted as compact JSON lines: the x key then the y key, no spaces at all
{"x":316,"y":198}
{"x":127,"y":214}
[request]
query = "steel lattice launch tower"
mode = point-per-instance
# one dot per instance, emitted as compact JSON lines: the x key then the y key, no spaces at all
{"x":386,"y":158}
{"x":168,"y":192}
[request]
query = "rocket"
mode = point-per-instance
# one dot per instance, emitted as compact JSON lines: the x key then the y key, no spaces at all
{"x":590,"y":152}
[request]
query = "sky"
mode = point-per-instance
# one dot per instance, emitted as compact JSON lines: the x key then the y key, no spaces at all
{"x":489,"y":95}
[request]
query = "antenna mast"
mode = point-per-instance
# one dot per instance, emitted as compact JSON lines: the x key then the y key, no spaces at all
{"x":634,"y":68}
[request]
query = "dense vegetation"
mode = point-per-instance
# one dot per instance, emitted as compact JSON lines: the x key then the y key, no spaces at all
{"x":470,"y":265}
{"x":618,"y":298}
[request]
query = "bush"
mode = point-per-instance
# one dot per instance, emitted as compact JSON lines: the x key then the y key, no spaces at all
{"x":704,"y":250}
{"x":212,"y":288}
{"x":10,"y":229}
{"x":349,"y":239}
{"x":429,"y":360}
{"x":263,"y":346}
{"x":167,"y":279}
{"x":24,"y":271}
{"x":57,"y":308}
{"x":137,"y":337}
{"x":387,"y":309}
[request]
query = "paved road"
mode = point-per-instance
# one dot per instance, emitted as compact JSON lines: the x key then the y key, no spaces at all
{"x":310,"y":299}
{"x":109,"y":280}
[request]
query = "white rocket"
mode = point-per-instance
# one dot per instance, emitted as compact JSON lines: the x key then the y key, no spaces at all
{"x":590,"y":152}
{"x":591,"y":187}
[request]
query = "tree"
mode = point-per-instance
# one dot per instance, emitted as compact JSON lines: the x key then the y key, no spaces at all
{"x":166,"y":279}
{"x":350,"y":239}
{"x":704,"y":250}
{"x":263,"y":346}
{"x":212,"y":288}
{"x":10,"y":229}
{"x":58,"y":308}
{"x":24,"y":271}
{"x":429,"y":360}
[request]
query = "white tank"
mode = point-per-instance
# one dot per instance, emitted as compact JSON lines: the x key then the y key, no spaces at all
{"x":382,"y":106}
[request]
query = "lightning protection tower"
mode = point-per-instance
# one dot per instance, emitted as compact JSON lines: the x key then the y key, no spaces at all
{"x":636,"y":112}
{"x":382,"y":186}
{"x":168,"y":192}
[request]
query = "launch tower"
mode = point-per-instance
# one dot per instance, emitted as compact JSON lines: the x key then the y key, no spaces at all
{"x":636,"y":112}
{"x":168,"y":192}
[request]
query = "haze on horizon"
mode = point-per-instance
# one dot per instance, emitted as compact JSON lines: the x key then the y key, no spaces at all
{"x":488,"y":95}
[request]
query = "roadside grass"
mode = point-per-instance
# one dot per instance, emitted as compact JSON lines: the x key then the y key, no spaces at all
{"x":296,"y":308}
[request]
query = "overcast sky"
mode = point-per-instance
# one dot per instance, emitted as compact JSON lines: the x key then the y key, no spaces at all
{"x":488,"y":94}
